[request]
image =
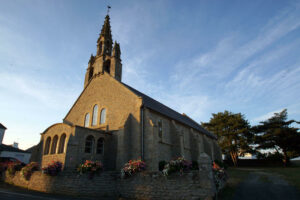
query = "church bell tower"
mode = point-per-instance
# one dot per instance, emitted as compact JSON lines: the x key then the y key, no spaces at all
{"x":108,"y":57}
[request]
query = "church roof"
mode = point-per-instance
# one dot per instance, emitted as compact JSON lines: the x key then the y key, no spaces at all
{"x":165,"y":110}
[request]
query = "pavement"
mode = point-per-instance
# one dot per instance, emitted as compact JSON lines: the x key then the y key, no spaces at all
{"x":8,"y":192}
{"x":266,"y":186}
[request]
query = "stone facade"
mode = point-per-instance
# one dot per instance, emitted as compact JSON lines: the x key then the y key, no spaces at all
{"x":114,"y":123}
{"x":147,"y":185}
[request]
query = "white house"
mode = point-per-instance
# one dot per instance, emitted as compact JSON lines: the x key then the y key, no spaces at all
{"x":12,"y":150}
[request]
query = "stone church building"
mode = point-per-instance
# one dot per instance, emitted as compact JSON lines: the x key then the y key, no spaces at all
{"x":112,"y":122}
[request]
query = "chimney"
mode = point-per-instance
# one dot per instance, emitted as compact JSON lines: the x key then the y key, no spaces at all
{"x":16,"y":145}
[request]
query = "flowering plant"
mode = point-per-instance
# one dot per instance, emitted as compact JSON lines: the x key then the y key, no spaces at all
{"x":29,"y":169}
{"x":53,"y":169}
{"x":133,"y":166}
{"x":220,"y":175}
{"x":177,"y":165}
{"x":12,"y":167}
{"x":91,"y":167}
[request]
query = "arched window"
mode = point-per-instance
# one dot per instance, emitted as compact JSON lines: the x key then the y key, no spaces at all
{"x":89,"y":144}
{"x":160,"y":129}
{"x":61,"y":146}
{"x":107,"y":47}
{"x":54,"y":144}
{"x":91,"y":73}
{"x":87,"y":120}
{"x":100,"y":146}
{"x":103,"y":116}
{"x":95,"y":115}
{"x":100,"y":48}
{"x":107,"y":66}
{"x":47,"y":146}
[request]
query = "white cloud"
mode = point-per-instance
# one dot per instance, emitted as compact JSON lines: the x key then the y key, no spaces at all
{"x":195,"y":106}
{"x":230,"y":53}
{"x":265,"y":116}
{"x":34,"y":88}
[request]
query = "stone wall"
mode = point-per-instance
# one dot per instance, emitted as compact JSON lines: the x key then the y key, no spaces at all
{"x":107,"y":93}
{"x":67,"y":182}
{"x":146,"y":185}
{"x":175,"y":140}
{"x":192,"y":185}
{"x":74,"y":147}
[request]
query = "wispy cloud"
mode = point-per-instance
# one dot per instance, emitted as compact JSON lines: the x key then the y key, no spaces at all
{"x":265,"y":116}
{"x":231,"y":52}
{"x":292,"y":110}
{"x":44,"y":93}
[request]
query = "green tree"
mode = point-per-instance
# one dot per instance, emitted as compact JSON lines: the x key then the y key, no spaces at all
{"x":233,"y":131}
{"x":277,"y":133}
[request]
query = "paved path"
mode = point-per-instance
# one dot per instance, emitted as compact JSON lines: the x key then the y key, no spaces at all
{"x":8,"y":192}
{"x":266,"y":186}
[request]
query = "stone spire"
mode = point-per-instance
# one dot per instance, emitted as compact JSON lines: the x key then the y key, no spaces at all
{"x":116,"y":65}
{"x":92,"y":59}
{"x":104,"y":42}
{"x":116,"y":50}
{"x":108,"y":57}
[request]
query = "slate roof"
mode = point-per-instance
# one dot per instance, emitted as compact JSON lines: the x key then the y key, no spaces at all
{"x":4,"y":147}
{"x":3,"y":127}
{"x":164,"y":110}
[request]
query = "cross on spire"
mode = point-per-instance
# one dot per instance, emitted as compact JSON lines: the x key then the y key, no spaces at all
{"x":108,"y":7}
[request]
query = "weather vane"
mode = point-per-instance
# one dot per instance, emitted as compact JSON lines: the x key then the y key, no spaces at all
{"x":108,"y":7}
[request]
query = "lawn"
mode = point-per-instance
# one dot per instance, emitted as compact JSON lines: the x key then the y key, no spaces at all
{"x":237,"y":175}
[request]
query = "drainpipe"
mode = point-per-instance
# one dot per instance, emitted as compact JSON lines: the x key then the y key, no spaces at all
{"x":142,"y":138}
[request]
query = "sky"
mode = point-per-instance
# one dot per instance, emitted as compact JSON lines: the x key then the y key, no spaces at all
{"x":197,"y":57}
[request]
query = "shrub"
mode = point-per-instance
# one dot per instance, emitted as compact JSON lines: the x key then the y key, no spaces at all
{"x":221,"y":164}
{"x":29,"y":169}
{"x":12,"y":167}
{"x":177,"y":165}
{"x":132,"y":167}
{"x":90,"y":167}
{"x":53,"y":169}
{"x":220,"y":175}
{"x":161,"y":165}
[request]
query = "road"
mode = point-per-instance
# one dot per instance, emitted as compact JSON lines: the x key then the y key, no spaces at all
{"x":8,"y":192}
{"x":265,"y":186}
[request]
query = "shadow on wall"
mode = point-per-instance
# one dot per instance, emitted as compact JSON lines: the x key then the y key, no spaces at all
{"x":128,"y":141}
{"x":36,"y":154}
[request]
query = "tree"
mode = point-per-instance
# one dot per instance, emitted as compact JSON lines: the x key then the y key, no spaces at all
{"x":277,"y":133}
{"x":233,"y":132}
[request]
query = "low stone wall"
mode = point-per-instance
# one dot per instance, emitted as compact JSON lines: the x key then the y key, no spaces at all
{"x":67,"y":182}
{"x":192,"y":185}
{"x":146,"y":185}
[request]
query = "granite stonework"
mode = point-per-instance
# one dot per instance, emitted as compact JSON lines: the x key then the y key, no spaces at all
{"x":144,"y":185}
{"x":133,"y":126}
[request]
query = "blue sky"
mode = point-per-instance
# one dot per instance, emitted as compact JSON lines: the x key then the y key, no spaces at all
{"x":197,"y":57}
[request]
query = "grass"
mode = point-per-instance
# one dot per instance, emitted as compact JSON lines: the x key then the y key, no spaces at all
{"x":236,"y":176}
{"x":291,"y":174}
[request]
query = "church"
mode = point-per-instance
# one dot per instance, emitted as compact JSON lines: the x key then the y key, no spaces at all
{"x":113,"y":123}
